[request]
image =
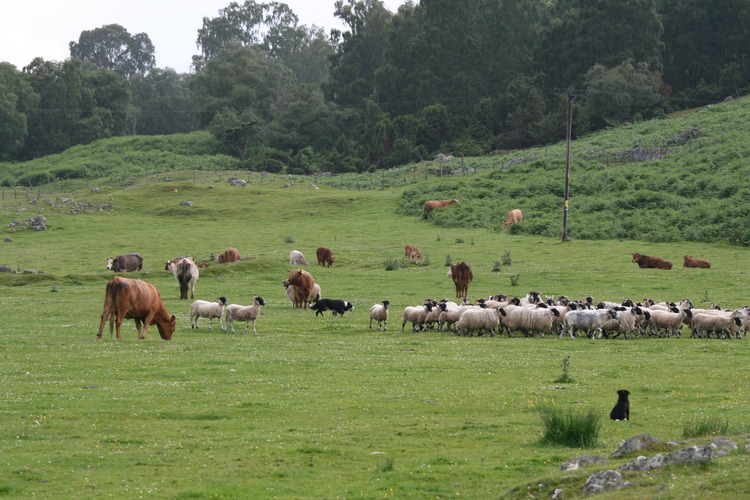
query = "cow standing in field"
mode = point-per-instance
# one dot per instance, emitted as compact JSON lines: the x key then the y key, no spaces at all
{"x":325,"y":256}
{"x":125,"y":263}
{"x":513,"y":216}
{"x":127,"y":298}
{"x":412,"y":252}
{"x":648,"y":262}
{"x":231,"y":254}
{"x":688,"y":261}
{"x":302,"y":284}
{"x":186,"y":273}
{"x":431,"y":205}
{"x":462,"y":276}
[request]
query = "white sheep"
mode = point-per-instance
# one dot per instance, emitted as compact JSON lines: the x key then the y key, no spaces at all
{"x":417,"y":316}
{"x":670,"y":321}
{"x":379,"y":313}
{"x":588,"y":320}
{"x":527,"y":319}
{"x":244,"y":313}
{"x":623,"y":325}
{"x":297,"y":259}
{"x":728,"y":324}
{"x":478,"y":319}
{"x":449,"y":315}
{"x":210,"y":310}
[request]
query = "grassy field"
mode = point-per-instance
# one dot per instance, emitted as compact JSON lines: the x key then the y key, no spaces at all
{"x":325,"y":407}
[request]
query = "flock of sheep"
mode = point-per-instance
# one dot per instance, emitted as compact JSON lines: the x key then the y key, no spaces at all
{"x":533,"y":316}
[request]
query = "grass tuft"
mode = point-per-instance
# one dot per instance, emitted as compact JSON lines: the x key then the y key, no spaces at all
{"x":570,"y":427}
{"x":704,"y":427}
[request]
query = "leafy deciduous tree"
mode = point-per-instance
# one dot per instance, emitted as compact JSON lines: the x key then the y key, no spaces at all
{"x":112,"y":47}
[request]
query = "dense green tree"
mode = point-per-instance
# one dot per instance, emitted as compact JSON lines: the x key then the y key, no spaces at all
{"x":582,"y":33}
{"x":620,"y":93}
{"x":112,"y":47}
{"x":358,"y":52}
{"x":78,"y":103}
{"x":307,"y":120}
{"x":242,"y":79}
{"x":164,"y":103}
{"x":702,"y":38}
{"x":17,"y":100}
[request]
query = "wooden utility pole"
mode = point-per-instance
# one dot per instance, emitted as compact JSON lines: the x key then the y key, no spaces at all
{"x":568,"y":133}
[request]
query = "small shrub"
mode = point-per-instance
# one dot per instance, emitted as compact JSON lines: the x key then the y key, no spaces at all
{"x":570,"y":427}
{"x":496,"y":266}
{"x":438,"y":238}
{"x":289,"y":239}
{"x":459,"y":240}
{"x":391,"y":263}
{"x":506,"y":258}
{"x":514,"y":279}
{"x":565,"y":378}
{"x":704,"y":427}
{"x":448,"y":260}
{"x":387,"y":464}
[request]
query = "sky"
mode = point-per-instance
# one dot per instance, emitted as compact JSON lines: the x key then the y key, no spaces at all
{"x":44,"y":28}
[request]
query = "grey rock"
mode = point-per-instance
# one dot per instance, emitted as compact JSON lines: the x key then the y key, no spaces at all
{"x":607,"y":480}
{"x":7,"y":269}
{"x":8,"y":240}
{"x":634,"y":444}
{"x":582,"y":460}
{"x":186,"y":203}
{"x":557,"y":494}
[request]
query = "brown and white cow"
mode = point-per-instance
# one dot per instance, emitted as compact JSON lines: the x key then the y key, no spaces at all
{"x":127,"y":298}
{"x":431,"y":205}
{"x":325,"y":256}
{"x":646,"y":261}
{"x":302,"y":284}
{"x":412,"y":252}
{"x":186,"y":273}
{"x":462,"y":276}
{"x":231,"y":254}
{"x":688,"y":261}
{"x":125,"y":263}
{"x":513,"y":216}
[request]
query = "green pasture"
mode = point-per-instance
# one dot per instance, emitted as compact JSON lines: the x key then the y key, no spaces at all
{"x":325,"y":407}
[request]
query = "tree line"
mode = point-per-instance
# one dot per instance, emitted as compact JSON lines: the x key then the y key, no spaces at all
{"x":462,"y":77}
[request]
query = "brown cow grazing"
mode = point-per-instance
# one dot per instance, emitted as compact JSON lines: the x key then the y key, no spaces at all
{"x":462,"y":276}
{"x":513,"y":216}
{"x":646,"y":261}
{"x":302,"y":284}
{"x":325,"y":256}
{"x":431,"y":205}
{"x":231,"y":254}
{"x":127,"y":298}
{"x":412,"y":252}
{"x":689,"y":261}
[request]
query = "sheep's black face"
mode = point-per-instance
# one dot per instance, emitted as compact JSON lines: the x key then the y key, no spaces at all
{"x":261,"y":301}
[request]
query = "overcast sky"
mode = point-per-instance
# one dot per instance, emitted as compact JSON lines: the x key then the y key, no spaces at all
{"x":43,"y":28}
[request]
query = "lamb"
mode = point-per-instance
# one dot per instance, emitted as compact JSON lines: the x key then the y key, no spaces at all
{"x":417,"y":316}
{"x":210,"y":310}
{"x":478,"y":319}
{"x":297,"y":259}
{"x":588,"y":320}
{"x":379,"y":313}
{"x":244,"y":313}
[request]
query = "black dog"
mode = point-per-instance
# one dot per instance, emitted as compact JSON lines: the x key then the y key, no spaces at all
{"x":335,"y":305}
{"x":621,"y":411}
